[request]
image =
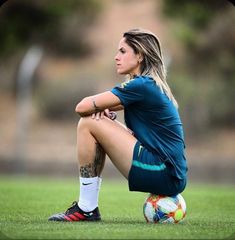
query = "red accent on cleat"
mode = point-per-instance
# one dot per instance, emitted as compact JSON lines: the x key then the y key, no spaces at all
{"x":74,"y":217}
{"x":79,"y":215}
{"x":68,"y":219}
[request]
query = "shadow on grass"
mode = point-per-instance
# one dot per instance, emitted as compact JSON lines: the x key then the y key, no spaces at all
{"x":3,"y":236}
{"x":232,"y":236}
{"x":123,"y":222}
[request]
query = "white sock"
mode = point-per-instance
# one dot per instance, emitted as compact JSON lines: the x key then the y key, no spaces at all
{"x":89,"y":193}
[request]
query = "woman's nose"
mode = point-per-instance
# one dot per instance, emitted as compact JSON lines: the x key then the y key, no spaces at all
{"x":116,"y":57}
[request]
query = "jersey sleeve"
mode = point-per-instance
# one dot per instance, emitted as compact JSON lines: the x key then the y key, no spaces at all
{"x":130,"y":91}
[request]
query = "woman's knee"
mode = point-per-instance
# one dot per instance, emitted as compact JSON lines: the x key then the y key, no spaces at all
{"x":92,"y":124}
{"x":83,"y":122}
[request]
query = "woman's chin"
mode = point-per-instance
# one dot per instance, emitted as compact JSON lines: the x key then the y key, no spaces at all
{"x":120,"y":72}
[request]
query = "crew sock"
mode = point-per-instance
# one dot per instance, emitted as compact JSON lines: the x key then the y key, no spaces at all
{"x":89,"y":193}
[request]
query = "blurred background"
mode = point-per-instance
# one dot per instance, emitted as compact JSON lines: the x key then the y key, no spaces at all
{"x":54,"y":53}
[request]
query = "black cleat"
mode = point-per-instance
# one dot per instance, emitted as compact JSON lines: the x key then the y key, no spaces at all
{"x":74,"y":214}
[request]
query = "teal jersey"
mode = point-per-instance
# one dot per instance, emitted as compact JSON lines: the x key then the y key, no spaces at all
{"x":155,"y":121}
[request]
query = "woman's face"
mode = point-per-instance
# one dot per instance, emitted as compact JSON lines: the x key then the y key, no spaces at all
{"x":127,"y":62}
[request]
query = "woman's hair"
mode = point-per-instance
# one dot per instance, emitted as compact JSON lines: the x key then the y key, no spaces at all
{"x":146,"y":44}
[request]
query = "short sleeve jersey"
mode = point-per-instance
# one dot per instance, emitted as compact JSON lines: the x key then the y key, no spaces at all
{"x":155,"y":121}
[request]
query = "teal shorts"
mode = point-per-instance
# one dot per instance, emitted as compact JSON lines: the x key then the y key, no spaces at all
{"x":150,"y":174}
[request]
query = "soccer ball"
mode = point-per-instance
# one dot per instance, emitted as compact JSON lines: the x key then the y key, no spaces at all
{"x":164,"y":209}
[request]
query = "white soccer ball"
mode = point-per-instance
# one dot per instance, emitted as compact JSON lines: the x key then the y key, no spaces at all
{"x":164,"y":209}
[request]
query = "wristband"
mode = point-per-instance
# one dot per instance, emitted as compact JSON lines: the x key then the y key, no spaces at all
{"x":112,"y":115}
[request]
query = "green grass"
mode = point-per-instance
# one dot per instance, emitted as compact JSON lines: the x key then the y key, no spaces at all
{"x":26,"y":203}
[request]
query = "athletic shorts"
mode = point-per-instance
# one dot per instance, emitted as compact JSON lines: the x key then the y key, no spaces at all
{"x":150,"y":174}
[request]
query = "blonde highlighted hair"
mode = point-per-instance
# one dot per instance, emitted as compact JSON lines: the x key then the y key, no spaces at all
{"x":146,"y":44}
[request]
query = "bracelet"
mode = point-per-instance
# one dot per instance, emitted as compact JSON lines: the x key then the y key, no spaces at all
{"x":112,"y":115}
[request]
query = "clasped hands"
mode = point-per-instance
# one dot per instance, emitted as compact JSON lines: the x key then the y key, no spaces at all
{"x":106,"y":113}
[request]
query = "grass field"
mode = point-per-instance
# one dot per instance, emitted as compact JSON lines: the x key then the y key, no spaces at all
{"x":26,"y":203}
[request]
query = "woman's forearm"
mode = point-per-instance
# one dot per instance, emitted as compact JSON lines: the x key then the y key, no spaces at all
{"x":117,"y":108}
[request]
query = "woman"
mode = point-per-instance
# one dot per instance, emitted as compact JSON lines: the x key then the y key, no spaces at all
{"x":149,"y":152}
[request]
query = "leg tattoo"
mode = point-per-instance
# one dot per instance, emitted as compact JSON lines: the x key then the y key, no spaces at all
{"x":99,"y":160}
{"x":87,"y":171}
{"x":94,"y":169}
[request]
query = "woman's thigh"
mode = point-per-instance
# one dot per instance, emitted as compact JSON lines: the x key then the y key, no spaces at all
{"x":116,"y":141}
{"x":150,"y":174}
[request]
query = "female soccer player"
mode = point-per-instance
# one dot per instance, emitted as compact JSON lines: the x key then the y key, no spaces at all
{"x":149,"y":151}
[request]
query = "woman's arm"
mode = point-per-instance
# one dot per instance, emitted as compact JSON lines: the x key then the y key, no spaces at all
{"x":98,"y":103}
{"x":117,"y":108}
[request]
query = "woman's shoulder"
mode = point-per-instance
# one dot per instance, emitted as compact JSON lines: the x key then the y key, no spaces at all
{"x":143,"y":78}
{"x":149,"y":84}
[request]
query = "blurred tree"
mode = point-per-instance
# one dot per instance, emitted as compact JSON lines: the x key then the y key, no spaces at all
{"x":195,"y":15}
{"x":205,"y":29}
{"x":58,"y":26}
{"x":197,"y":12}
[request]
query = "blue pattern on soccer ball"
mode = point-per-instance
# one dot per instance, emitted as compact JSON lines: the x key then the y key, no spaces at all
{"x":158,"y":215}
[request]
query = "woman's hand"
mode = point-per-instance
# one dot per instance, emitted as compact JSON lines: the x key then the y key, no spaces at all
{"x":97,"y":115}
{"x":100,"y":115}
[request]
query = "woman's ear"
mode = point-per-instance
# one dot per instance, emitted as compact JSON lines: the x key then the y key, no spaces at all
{"x":140,"y":58}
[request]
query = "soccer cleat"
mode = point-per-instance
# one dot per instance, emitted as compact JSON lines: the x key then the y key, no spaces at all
{"x":75,"y":214}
